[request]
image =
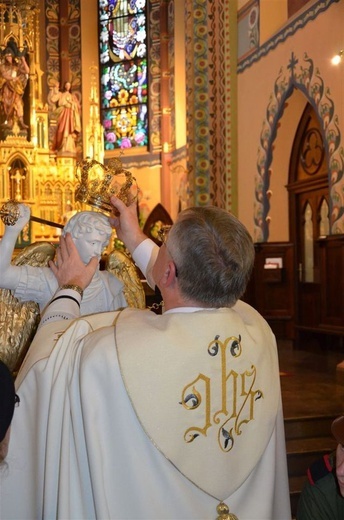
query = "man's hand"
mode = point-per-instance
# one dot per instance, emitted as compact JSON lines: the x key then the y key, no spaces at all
{"x":69,"y":268}
{"x":126,"y":223}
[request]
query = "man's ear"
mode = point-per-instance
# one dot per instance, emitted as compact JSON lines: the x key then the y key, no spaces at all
{"x":170,"y":273}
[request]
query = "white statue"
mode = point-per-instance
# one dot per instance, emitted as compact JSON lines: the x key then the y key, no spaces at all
{"x":91,"y":232}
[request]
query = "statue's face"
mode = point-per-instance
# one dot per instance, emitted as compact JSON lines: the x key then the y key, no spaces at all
{"x":90,"y":245}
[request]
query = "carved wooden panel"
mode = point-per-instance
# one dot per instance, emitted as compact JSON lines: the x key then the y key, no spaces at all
{"x":332,"y":283}
{"x":271,"y":288}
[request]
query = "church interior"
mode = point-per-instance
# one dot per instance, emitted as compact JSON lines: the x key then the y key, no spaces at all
{"x":233,"y":103}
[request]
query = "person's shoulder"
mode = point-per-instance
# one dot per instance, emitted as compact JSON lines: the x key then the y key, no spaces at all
{"x":251,"y":316}
{"x":246,"y":309}
{"x":101,"y":326}
{"x":320,"y":468}
{"x":319,"y":497}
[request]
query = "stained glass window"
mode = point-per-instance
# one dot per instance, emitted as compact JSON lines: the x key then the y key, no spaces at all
{"x":123,"y":73}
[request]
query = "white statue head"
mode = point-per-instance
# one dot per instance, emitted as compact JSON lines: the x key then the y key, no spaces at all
{"x":91,"y":233}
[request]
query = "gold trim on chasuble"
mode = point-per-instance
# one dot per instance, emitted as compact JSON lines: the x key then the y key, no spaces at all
{"x":210,"y":433}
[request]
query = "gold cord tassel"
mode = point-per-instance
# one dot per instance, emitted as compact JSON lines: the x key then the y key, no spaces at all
{"x":223,"y":512}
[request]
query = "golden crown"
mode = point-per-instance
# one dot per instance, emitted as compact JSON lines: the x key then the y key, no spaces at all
{"x":98,"y":183}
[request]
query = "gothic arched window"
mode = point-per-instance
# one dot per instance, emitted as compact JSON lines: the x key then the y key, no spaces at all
{"x":324,"y":228}
{"x":19,"y":180}
{"x":123,"y":73}
{"x":308,"y":244}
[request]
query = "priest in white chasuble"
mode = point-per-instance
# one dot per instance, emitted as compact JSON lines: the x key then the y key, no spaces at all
{"x":134,"y":415}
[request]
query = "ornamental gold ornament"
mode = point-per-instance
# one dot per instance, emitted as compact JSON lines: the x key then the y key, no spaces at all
{"x":97,"y":183}
{"x":223,"y":512}
{"x":10,"y":212}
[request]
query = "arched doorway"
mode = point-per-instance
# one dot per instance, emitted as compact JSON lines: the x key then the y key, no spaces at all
{"x":304,"y":293}
{"x":309,"y":217}
{"x":301,"y":296}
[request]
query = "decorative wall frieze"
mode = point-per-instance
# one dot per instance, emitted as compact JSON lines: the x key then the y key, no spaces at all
{"x":297,"y":22}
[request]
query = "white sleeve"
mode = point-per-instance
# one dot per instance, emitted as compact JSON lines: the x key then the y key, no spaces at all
{"x":65,"y":305}
{"x":144,"y":257}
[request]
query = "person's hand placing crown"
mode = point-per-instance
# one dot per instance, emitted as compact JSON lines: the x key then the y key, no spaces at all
{"x":124,"y":220}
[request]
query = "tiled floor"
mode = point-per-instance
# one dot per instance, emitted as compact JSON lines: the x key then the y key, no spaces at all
{"x":311,"y":384}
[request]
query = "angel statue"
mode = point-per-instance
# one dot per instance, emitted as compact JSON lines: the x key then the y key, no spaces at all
{"x":110,"y":288}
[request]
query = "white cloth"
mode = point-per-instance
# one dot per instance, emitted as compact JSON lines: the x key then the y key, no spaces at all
{"x":64,"y":306}
{"x":144,"y":256}
{"x":79,"y":447}
{"x":105,"y":292}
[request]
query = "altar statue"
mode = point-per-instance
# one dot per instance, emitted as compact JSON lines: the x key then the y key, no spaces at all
{"x":14,"y":75}
{"x":68,"y":118}
{"x":91,"y":232}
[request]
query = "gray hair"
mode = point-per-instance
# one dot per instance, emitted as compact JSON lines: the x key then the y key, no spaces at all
{"x":214,"y":255}
{"x":87,"y":221}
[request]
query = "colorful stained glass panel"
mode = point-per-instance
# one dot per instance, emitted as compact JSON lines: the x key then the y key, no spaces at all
{"x":123,"y":72}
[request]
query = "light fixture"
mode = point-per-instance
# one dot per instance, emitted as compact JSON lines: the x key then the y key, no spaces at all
{"x":337,"y":58}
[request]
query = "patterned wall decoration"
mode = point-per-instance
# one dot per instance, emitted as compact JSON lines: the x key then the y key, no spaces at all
{"x":198,"y":147}
{"x":172,"y":57}
{"x":63,"y":63}
{"x":154,"y":76}
{"x":309,"y":81}
{"x":209,"y":98}
{"x":52,"y":32}
{"x":248,"y":29}
{"x":298,"y":22}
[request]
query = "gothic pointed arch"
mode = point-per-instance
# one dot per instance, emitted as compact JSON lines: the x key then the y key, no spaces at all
{"x":18,"y":178}
{"x":308,"y":80}
{"x":324,"y":221}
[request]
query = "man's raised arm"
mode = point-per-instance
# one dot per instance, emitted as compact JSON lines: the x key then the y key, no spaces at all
{"x":143,"y":250}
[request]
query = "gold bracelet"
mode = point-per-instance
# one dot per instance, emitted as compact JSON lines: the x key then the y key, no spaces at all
{"x":74,"y":287}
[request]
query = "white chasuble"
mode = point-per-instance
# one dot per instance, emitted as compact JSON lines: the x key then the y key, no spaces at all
{"x":151,"y":418}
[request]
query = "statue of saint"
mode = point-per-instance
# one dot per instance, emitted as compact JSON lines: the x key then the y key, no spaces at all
{"x":14,"y":74}
{"x":68,"y":118}
{"x":91,"y":232}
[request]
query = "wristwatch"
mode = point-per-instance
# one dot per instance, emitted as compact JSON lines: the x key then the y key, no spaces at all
{"x":74,"y":287}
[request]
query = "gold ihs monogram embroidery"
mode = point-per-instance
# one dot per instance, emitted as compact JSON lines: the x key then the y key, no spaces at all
{"x":236,"y":390}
